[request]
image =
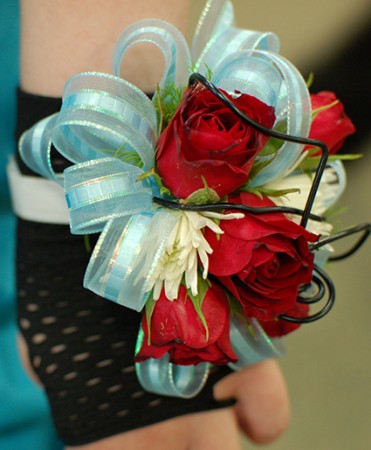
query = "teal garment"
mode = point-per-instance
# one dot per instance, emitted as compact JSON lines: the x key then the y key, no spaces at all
{"x":24,"y":413}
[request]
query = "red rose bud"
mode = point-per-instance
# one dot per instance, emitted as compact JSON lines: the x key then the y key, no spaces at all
{"x":331,"y":125}
{"x":176,"y":328}
{"x":262,"y":259}
{"x":205,"y":140}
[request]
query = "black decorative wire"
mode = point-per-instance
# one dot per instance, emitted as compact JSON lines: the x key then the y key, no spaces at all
{"x":321,"y":290}
{"x":173,"y":204}
{"x":325,"y":284}
{"x":366,"y":228}
{"x":321,"y":280}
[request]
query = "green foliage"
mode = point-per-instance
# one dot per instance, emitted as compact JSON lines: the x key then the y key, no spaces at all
{"x":166,"y":102}
{"x":316,"y":111}
{"x":197,"y":300}
{"x":262,"y":191}
{"x":274,"y":144}
{"x":87,"y":243}
{"x":209,"y":73}
{"x":158,"y":180}
{"x":310,"y":163}
{"x":129,"y":157}
{"x":148,"y":311}
{"x":310,"y":80}
{"x":236,"y":309}
{"x":256,"y":169}
{"x":202,"y":196}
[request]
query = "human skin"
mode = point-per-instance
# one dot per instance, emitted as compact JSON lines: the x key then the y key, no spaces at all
{"x":62,"y":38}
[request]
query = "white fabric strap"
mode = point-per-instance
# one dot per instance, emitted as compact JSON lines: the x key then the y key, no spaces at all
{"x":36,"y":199}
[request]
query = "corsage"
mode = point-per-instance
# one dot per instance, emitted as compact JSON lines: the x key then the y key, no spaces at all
{"x":210,"y":199}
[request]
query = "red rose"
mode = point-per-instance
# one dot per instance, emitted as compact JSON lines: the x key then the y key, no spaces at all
{"x":279,"y":327}
{"x":205,"y":139}
{"x":262,"y":259}
{"x":176,"y":328}
{"x":331,"y":125}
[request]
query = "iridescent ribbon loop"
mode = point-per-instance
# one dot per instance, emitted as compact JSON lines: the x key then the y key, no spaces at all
{"x":102,"y":116}
{"x":216,"y":30}
{"x":104,"y":189}
{"x":167,"y":38}
{"x":162,"y":377}
{"x":251,"y":343}
{"x":35,"y":148}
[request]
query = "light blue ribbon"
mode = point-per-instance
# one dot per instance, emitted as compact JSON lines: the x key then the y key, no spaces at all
{"x":104,"y":189}
{"x":160,"y":376}
{"x":101,"y":114}
{"x":35,"y":148}
{"x":167,"y":38}
{"x":108,"y":128}
{"x":251,"y":343}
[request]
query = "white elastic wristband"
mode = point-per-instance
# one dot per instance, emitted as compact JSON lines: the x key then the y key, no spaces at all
{"x":36,"y":199}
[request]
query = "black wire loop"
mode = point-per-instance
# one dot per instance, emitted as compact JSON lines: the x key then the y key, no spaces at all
{"x":325,"y":285}
{"x":314,"y":298}
{"x":364,"y":228}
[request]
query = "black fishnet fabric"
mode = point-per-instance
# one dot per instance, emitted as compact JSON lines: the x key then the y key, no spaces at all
{"x":80,"y":345}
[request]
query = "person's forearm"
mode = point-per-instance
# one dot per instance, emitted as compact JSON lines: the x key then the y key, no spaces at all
{"x":65,"y":37}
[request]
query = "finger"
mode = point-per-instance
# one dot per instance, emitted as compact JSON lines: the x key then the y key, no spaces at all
{"x":215,"y":430}
{"x":262,"y":406}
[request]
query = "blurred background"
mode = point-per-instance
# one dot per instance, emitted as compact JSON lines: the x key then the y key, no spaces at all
{"x":328,"y":363}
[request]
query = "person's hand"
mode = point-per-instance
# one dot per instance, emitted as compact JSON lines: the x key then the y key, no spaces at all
{"x":262,"y":406}
{"x":261,"y":412}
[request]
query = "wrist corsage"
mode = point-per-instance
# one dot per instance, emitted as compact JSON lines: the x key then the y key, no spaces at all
{"x":210,"y":200}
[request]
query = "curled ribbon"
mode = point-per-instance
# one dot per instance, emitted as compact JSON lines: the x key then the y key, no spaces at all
{"x":108,"y":128}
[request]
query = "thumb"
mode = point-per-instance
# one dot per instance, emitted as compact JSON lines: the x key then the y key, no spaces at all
{"x":262,"y":406}
{"x":226,"y":388}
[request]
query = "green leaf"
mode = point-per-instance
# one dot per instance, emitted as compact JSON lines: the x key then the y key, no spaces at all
{"x":316,"y":111}
{"x":158,"y":180}
{"x":87,"y":243}
{"x":310,"y":80}
{"x":209,"y":73}
{"x":251,"y":190}
{"x":258,"y":167}
{"x":159,"y":109}
{"x":271,"y":147}
{"x":311,"y":162}
{"x":262,"y":191}
{"x":148,"y":310}
{"x":236,"y":309}
{"x":274,"y":144}
{"x":202,"y":196}
{"x":166,"y":102}
{"x":197,"y":300}
{"x":130,"y":157}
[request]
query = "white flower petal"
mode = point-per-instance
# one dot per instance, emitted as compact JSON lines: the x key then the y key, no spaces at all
{"x":185,"y":247}
{"x":157,"y":288}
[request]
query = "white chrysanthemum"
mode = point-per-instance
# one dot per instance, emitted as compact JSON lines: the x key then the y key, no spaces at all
{"x":184,"y":248}
{"x":329,"y":191}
